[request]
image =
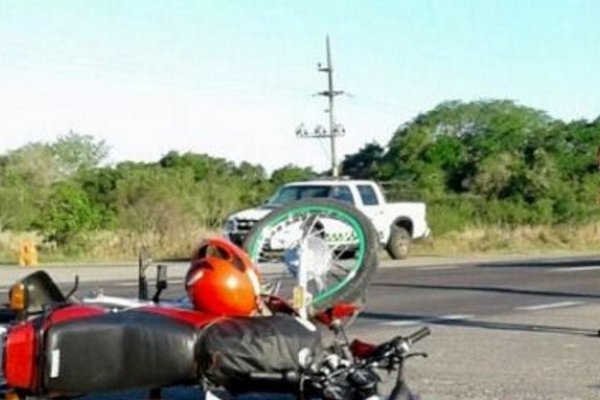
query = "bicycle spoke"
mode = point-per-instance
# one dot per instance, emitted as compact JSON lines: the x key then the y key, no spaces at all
{"x":336,"y":276}
{"x":313,"y":221}
{"x":343,"y":268}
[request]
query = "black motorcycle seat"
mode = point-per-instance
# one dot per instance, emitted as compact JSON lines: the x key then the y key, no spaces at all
{"x":120,"y":350}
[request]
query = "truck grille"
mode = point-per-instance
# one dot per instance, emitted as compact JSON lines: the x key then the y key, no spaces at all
{"x":244,"y":225}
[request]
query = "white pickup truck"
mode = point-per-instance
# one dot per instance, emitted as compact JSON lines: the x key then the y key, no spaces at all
{"x":396,"y":223}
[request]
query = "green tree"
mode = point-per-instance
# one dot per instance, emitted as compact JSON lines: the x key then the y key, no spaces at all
{"x":254,"y":184}
{"x":457,"y":137}
{"x":26,"y":177}
{"x":291,"y":173}
{"x":32,"y":165}
{"x":75,"y":152}
{"x":68,"y":211}
{"x":528,"y":167}
{"x":100,"y":185}
{"x":363,"y":164}
{"x":154,"y":200}
{"x":203,"y":166}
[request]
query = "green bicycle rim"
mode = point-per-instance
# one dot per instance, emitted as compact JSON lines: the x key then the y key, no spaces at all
{"x":329,"y":292}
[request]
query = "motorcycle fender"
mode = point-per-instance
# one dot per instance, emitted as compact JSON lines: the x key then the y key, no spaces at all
{"x":19,"y":356}
{"x":72,"y":313}
{"x":21,"y":346}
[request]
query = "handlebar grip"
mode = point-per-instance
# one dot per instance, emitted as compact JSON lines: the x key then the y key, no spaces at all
{"x":289,"y":377}
{"x":266,"y":375}
{"x":418,"y":335}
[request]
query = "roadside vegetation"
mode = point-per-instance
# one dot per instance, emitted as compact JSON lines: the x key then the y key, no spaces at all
{"x":497,"y":177}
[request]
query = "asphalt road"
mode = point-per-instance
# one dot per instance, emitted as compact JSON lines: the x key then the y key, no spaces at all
{"x":516,"y":329}
{"x":438,"y":293}
{"x":416,"y":294}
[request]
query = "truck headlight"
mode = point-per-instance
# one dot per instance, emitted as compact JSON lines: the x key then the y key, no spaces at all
{"x":231,"y":225}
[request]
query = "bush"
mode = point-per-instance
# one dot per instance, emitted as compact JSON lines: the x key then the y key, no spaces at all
{"x":67,"y":212}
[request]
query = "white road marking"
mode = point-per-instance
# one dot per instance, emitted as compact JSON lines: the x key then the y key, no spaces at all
{"x":577,"y":269}
{"x":455,"y":316}
{"x":411,"y":322}
{"x":133,"y":284}
{"x":549,"y":306}
{"x":441,"y":318}
{"x":126,"y":284}
{"x":438,"y":268}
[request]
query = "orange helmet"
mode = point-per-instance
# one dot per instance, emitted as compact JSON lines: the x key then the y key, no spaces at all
{"x":222,"y":280}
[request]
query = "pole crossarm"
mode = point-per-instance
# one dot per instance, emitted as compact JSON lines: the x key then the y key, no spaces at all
{"x":327,"y":93}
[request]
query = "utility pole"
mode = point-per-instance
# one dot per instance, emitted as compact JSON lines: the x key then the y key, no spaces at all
{"x":335,"y":129}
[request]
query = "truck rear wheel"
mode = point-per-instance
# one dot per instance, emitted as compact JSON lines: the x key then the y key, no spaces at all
{"x":398,"y":244}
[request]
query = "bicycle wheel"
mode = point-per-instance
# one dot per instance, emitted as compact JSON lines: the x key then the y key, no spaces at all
{"x":333,"y":241}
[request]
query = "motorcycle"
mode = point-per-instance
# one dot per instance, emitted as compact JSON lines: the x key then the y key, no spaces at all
{"x":57,"y":347}
{"x":54,"y":345}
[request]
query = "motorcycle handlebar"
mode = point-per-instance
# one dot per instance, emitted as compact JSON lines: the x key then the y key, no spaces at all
{"x":284,"y":377}
{"x":396,"y":347}
{"x":418,"y":335}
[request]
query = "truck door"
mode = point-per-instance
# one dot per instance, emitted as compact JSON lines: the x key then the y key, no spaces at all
{"x":373,"y":207}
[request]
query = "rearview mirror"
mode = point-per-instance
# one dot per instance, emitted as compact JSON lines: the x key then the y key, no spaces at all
{"x":34,"y":292}
{"x":161,"y":281}
{"x":144,"y":261}
{"x":161,"y":277}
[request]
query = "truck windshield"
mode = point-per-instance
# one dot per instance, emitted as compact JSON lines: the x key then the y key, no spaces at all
{"x":291,"y":193}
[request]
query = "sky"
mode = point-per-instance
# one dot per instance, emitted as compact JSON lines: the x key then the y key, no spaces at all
{"x":234,"y":79}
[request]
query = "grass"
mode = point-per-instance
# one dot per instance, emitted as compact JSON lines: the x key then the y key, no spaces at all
{"x":104,"y":246}
{"x":124,"y":246}
{"x":514,"y":240}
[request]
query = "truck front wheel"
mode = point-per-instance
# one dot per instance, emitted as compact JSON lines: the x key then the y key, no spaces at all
{"x":398,"y":244}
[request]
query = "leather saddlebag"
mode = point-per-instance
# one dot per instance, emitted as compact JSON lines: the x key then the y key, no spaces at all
{"x":231,"y":349}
